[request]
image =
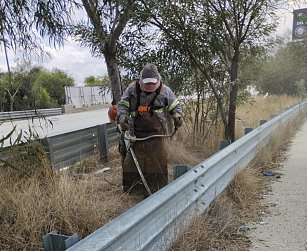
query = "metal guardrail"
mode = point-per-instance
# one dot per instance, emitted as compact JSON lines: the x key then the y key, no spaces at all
{"x":68,"y":148}
{"x":154,"y":223}
{"x":30,"y":114}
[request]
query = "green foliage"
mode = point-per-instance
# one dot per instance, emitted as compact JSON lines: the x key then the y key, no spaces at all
{"x":33,"y":87}
{"x":301,"y":88}
{"x":280,"y":72}
{"x":102,"y":81}
{"x":54,"y":82}
{"x":90,"y":81}
{"x":251,"y":63}
{"x":207,"y":38}
{"x":25,"y":23}
{"x":43,"y":99}
{"x":189,"y":40}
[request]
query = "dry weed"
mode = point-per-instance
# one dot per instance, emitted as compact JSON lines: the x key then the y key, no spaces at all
{"x":245,"y":187}
{"x":215,"y":230}
{"x":32,"y":207}
{"x":261,"y":108}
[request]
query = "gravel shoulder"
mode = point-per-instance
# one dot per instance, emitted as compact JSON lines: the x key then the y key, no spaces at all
{"x":284,"y":227}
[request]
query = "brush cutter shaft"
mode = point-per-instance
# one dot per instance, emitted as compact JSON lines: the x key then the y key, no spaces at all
{"x":131,"y":138}
{"x":140,"y":171}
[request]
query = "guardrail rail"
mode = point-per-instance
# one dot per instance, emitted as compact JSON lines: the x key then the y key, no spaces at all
{"x":30,"y":114}
{"x":68,"y":148}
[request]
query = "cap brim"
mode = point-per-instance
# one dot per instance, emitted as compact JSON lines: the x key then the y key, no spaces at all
{"x":150,"y":80}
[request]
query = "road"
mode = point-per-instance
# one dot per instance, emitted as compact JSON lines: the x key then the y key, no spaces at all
{"x":55,"y":125}
{"x":285,"y":227}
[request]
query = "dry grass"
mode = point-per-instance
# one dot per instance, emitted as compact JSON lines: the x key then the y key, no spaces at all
{"x":218,"y":228}
{"x":70,"y":203}
{"x":78,"y":201}
{"x":261,"y":108}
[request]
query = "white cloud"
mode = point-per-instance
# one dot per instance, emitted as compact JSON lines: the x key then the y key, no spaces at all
{"x":76,"y":61}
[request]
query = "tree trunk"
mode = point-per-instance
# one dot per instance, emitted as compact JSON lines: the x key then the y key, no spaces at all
{"x":11,"y":103}
{"x":113,"y":74}
{"x":230,"y":131}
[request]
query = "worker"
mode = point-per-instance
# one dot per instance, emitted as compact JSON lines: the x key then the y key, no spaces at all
{"x":146,"y":103}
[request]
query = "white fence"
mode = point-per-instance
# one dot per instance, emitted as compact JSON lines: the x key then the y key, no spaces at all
{"x":86,"y":95}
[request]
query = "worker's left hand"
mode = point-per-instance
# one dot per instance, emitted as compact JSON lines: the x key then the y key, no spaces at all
{"x":177,"y":119}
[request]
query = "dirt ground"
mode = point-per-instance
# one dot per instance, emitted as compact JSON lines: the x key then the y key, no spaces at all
{"x":284,"y":224}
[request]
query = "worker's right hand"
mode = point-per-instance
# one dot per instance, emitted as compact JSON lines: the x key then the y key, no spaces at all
{"x":177,"y":117}
{"x":123,"y":122}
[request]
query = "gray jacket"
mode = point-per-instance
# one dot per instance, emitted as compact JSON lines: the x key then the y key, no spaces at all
{"x":166,"y":102}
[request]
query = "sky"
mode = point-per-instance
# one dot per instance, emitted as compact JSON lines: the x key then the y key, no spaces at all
{"x":78,"y":63}
{"x":73,"y":59}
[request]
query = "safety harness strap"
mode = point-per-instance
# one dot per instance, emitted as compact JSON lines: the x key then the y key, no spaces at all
{"x":141,"y":109}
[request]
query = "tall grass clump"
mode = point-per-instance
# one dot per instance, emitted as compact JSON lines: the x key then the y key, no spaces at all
{"x":261,"y":108}
{"x":32,"y":206}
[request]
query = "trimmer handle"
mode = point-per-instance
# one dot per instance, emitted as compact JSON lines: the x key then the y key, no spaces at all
{"x":131,"y":127}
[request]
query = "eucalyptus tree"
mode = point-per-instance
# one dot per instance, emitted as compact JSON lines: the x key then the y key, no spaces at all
{"x":235,"y":24}
{"x":18,"y":80}
{"x":106,"y":22}
{"x":24,"y":25}
{"x":212,"y":33}
{"x":281,"y":72}
{"x":148,"y":44}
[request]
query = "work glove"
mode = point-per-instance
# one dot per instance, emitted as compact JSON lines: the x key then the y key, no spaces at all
{"x":123,"y":122}
{"x":112,"y":112}
{"x":177,"y":120}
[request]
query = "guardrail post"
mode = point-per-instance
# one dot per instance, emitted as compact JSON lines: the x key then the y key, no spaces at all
{"x":262,"y":121}
{"x":224,"y":143}
{"x":54,"y":241}
{"x":179,"y":170}
{"x":247,"y":130}
{"x":103,"y":145}
{"x":47,"y":143}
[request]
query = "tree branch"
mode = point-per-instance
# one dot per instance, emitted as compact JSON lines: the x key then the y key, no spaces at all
{"x":122,"y":21}
{"x":90,"y":7}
